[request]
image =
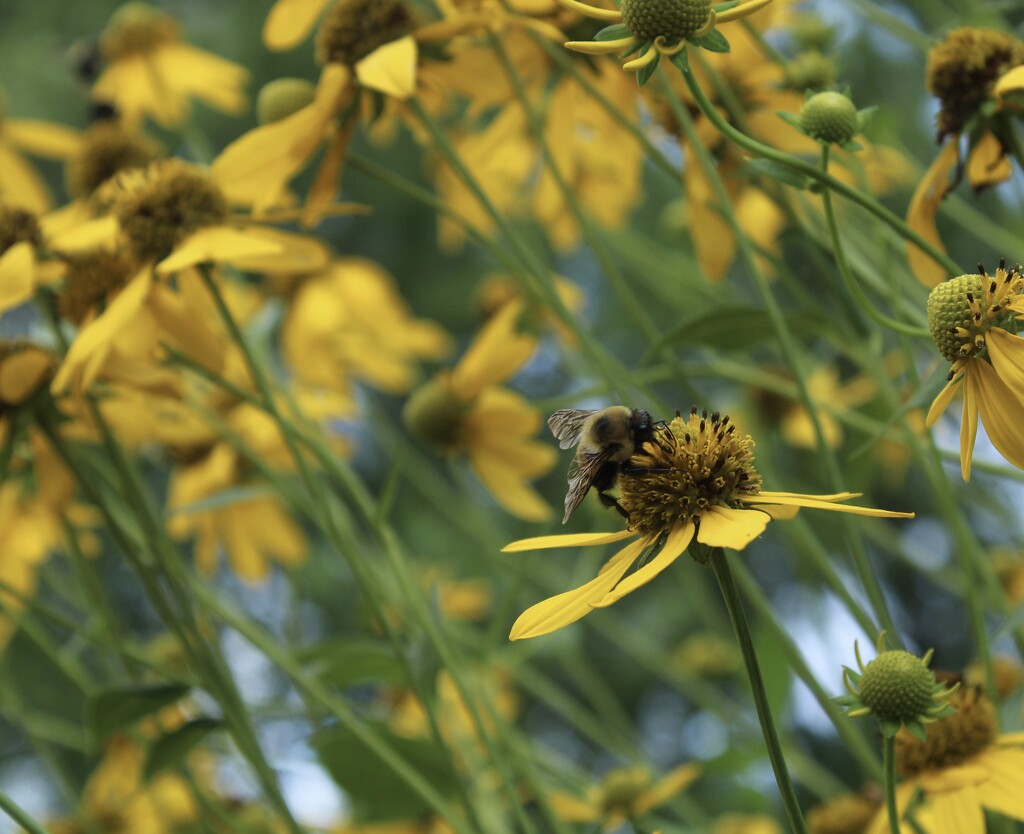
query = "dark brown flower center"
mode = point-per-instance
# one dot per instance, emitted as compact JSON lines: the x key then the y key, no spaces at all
{"x":353,"y":29}
{"x":951,"y":740}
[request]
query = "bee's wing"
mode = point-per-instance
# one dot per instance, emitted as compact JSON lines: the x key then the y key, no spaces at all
{"x":567,"y":425}
{"x":582,"y":471}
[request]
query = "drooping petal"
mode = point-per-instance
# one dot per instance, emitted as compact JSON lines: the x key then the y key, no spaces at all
{"x":17,"y":275}
{"x":968,"y":428}
{"x":672,"y":783}
{"x":1001,"y":792}
{"x":391,"y":68}
{"x":987,"y":163}
{"x":833,"y":498}
{"x":1007,"y":354}
{"x":573,"y":809}
{"x":1009,"y":82}
{"x":559,"y":611}
{"x":566,"y":540}
{"x":1000,"y":411}
{"x":957,"y":812}
{"x":495,"y":355}
{"x":22,"y":372}
{"x":100,"y":233}
{"x":20,"y":185}
{"x":943,"y":400}
{"x":43,"y":138}
{"x":727,"y":527}
{"x":675,"y":544}
{"x":508,"y":487}
{"x":289,"y":22}
{"x":921,"y":214}
{"x":811,"y":502}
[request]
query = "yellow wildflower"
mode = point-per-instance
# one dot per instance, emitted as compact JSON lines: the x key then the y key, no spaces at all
{"x":624,"y":793}
{"x":150,"y":71}
{"x":701,"y":485}
{"x":465,"y":411}
{"x":973,"y":322}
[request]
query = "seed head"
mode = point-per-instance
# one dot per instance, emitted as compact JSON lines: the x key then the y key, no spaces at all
{"x":672,"y":20}
{"x":829,"y":117}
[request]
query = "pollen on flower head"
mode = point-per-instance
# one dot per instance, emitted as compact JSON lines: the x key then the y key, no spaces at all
{"x":691,"y":465}
{"x":137,"y":29}
{"x":671,"y":20}
{"x":107,"y":148}
{"x":18,"y":225}
{"x":962,"y":310}
{"x":953,"y":739}
{"x":90,"y":278}
{"x":962,"y":69}
{"x":434,"y":413}
{"x":353,"y":29}
{"x":161,"y":205}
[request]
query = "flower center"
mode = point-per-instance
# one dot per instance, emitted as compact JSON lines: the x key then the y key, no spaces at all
{"x":434,"y":413}
{"x":137,"y":29}
{"x":672,"y":20}
{"x":690,"y":466}
{"x":107,"y":148}
{"x":355,"y":28}
{"x":90,"y":279}
{"x":161,"y":205}
{"x":951,"y":740}
{"x":17,"y":225}
{"x":962,"y":310}
{"x":962,"y":69}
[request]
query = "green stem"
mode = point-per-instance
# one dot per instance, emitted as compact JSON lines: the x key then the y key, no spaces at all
{"x":17,"y":813}
{"x":734,"y":605}
{"x":889,"y":763}
{"x":851,"y":283}
{"x":863,"y":200}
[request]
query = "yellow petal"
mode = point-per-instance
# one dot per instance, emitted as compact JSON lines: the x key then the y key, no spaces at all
{"x":1007,"y":354}
{"x":921,"y":213}
{"x":218,"y":244}
{"x":675,"y":544}
{"x":943,"y":400}
{"x":958,"y":812}
{"x":735,"y":529}
{"x":999,"y":408}
{"x":20,"y":185}
{"x":289,"y":22}
{"x":43,"y":138}
{"x":569,"y":808}
{"x":17,"y":275}
{"x":296,"y":254}
{"x":742,"y":10}
{"x":100,"y":233}
{"x":1001,"y":792}
{"x":968,"y":430}
{"x":987,"y":164}
{"x":495,"y":355}
{"x":768,"y":497}
{"x":671,"y":784}
{"x":613,"y":15}
{"x":566,"y":540}
{"x":816,"y":504}
{"x":508,"y":487}
{"x":391,"y":68}
{"x":559,"y":611}
{"x":1010,"y":82}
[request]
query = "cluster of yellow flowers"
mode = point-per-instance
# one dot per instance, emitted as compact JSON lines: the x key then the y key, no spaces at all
{"x":189,"y":310}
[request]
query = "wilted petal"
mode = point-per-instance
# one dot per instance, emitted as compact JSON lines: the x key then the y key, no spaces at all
{"x":921,"y":214}
{"x":987,"y":164}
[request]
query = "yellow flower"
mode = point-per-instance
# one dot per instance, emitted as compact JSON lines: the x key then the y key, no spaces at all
{"x":350,"y":322}
{"x":24,"y":263}
{"x":747,"y":824}
{"x":465,"y":411}
{"x":20,"y":185}
{"x":970,"y":72}
{"x":250,"y":523}
{"x":973,"y":322}
{"x":849,"y":813}
{"x":163,"y":220}
{"x":701,"y":484}
{"x":498,"y":290}
{"x":624,"y":793}
{"x":654,"y":28}
{"x":151,"y":72}
{"x":963,"y":769}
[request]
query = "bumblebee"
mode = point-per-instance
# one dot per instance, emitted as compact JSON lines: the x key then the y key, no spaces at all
{"x":605,"y":440}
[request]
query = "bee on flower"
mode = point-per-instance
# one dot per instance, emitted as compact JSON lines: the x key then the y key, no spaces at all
{"x":695,"y":481}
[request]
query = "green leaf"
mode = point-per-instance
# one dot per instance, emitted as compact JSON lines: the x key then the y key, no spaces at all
{"x":889,"y":728}
{"x":845,"y":700}
{"x":344,"y":662}
{"x":613,"y":33}
{"x":865,"y":116}
{"x":790,"y":119}
{"x":735,"y":328}
{"x":644,"y":75}
{"x":170,"y":750}
{"x":376,"y":792}
{"x":917,"y":730}
{"x":777,"y":171}
{"x":681,"y":60}
{"x":115,"y":709}
{"x":852,"y":145}
{"x":713,"y":41}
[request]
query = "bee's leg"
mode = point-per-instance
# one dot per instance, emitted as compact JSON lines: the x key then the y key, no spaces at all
{"x":610,"y":501}
{"x":640,"y":470}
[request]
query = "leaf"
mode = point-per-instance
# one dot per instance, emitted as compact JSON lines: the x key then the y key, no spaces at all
{"x":681,"y":60}
{"x":345,"y":662}
{"x":916,"y":729}
{"x":735,"y":328}
{"x":613,"y":33}
{"x":170,"y":750}
{"x":376,"y":792}
{"x":776,"y":171}
{"x":865,"y":116}
{"x":790,"y":119}
{"x":845,"y":700}
{"x":851,"y":145}
{"x":713,"y":41}
{"x":115,"y":709}
{"x":644,"y":74}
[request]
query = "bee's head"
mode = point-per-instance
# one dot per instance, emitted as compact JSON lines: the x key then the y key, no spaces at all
{"x":641,"y":424}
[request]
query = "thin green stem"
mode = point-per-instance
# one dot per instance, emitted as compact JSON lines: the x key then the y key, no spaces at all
{"x":734,"y":605}
{"x":889,"y":763}
{"x":18,"y":814}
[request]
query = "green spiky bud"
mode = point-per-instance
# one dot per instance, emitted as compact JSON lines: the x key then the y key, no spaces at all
{"x":897,"y":686}
{"x":829,"y":117}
